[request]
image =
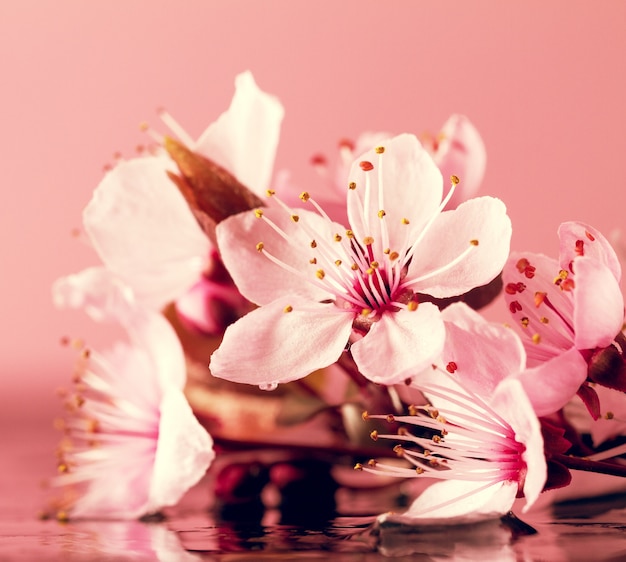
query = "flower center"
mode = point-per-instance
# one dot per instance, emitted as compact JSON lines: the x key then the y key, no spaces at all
{"x":360,"y":268}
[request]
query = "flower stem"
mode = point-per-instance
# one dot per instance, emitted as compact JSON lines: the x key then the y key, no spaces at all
{"x":577,"y":463}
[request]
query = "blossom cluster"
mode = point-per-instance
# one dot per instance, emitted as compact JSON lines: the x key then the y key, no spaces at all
{"x":359,"y":293}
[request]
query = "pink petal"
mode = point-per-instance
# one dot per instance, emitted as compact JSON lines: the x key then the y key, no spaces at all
{"x":184,"y":452}
{"x":258,"y":278}
{"x":461,"y":152}
{"x":513,"y":404}
{"x":577,"y":238}
{"x":400,"y":344}
{"x":144,"y":232}
{"x":553,"y":383}
{"x":411,"y":189}
{"x":455,"y":502}
{"x":598,"y":304}
{"x":270,"y":346}
{"x":96,"y":291}
{"x":245,"y":137}
{"x":548,"y":321}
{"x":483,"y":219}
{"x":484,"y":353}
{"x":153,"y":333}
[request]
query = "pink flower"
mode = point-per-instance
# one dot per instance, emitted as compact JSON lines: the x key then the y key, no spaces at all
{"x":321,"y":285}
{"x":484,"y":449}
{"x":568,"y":310}
{"x":132,"y":443}
{"x":142,"y":227}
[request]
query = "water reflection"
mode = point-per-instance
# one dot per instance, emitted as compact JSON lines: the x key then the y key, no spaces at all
{"x":573,"y":531}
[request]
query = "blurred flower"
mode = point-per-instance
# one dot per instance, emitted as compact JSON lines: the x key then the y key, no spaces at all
{"x":571,"y":313}
{"x":485,"y":449}
{"x":322,"y":285}
{"x":132,"y":444}
{"x":142,"y":227}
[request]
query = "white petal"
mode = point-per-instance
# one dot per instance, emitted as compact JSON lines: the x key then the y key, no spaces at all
{"x":244,"y":138}
{"x":144,"y":231}
{"x":456,"y":501}
{"x":270,"y":346}
{"x":184,"y":452}
{"x":411,"y":189}
{"x":483,"y":219}
{"x":400,"y":344}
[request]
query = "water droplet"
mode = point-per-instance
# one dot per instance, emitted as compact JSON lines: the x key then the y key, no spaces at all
{"x":269,"y":386}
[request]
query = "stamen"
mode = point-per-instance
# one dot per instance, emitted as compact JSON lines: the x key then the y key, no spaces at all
{"x":175,"y":127}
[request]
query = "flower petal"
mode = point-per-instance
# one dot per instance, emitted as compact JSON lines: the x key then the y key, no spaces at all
{"x":400,"y":344}
{"x":144,"y":232}
{"x":455,"y":502}
{"x":184,"y":452}
{"x":578,"y":239}
{"x":270,"y":346}
{"x":513,"y":404}
{"x":245,"y":137}
{"x":598,"y":304}
{"x":553,"y":383}
{"x":408,"y":175}
{"x":258,"y":278}
{"x":98,"y":292}
{"x":461,"y":152}
{"x":483,"y":219}
{"x":484,"y":353}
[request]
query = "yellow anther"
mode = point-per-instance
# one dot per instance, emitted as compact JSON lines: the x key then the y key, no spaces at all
{"x":405,"y":221}
{"x":270,"y":192}
{"x":381,"y":214}
{"x":609,"y":415}
{"x":354,"y":267}
{"x":413,"y":410}
{"x":371,"y":463}
{"x":358,"y":466}
{"x":387,"y":251}
{"x":419,"y":470}
{"x":454,"y":179}
{"x":258,"y":213}
{"x":260,"y":246}
{"x":366,"y":312}
{"x":524,"y":322}
{"x":337,"y":237}
{"x":313,"y":260}
{"x":305,"y":196}
{"x":436,"y":439}
{"x":370,"y":271}
{"x":544,"y":320}
{"x":536,"y":338}
{"x":368,"y":240}
{"x":474,"y":242}
{"x":288,"y":308}
{"x":313,"y":244}
{"x":338,"y":262}
{"x":379,"y":149}
{"x":365,"y":415}
{"x":394,"y":256}
{"x":375,"y":264}
{"x":352,"y":185}
{"x":295,"y":218}
{"x":412,"y":306}
{"x":349,"y":234}
{"x":398,"y":450}
{"x":374,"y":435}
{"x":320,"y":274}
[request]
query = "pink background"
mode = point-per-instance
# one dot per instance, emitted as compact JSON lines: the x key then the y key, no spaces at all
{"x":543,"y":82}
